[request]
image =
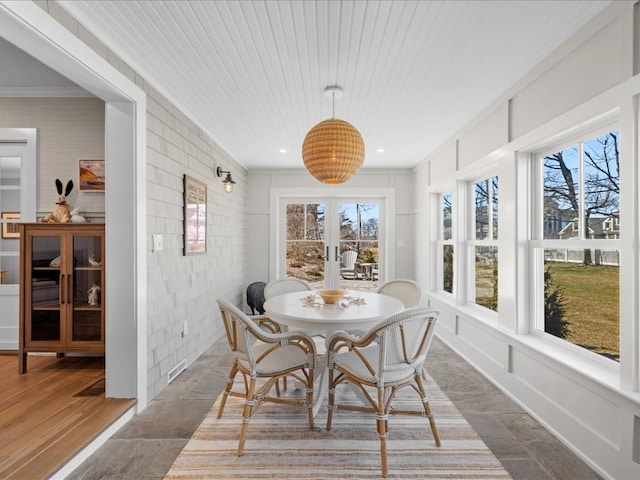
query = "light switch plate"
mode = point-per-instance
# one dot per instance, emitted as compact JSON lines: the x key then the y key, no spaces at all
{"x":157,"y":242}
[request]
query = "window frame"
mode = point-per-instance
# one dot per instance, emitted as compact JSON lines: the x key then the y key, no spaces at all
{"x":537,"y":243}
{"x":472,"y":242}
{"x":441,"y":242}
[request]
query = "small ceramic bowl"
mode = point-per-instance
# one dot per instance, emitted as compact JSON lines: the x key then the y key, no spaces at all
{"x":331,"y":297}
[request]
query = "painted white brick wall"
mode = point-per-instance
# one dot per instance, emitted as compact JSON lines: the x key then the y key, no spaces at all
{"x":181,"y":287}
{"x":185,"y":287}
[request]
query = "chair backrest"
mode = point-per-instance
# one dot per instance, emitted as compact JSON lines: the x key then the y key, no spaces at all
{"x":242,"y":332}
{"x":404,"y":339}
{"x":407,"y":291}
{"x":285,"y":285}
{"x":349,"y":258}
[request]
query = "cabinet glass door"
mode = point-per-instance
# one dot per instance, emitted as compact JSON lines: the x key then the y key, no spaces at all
{"x":46,"y":280}
{"x":86,"y":315}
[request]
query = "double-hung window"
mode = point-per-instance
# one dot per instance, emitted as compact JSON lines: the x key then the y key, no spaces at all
{"x":445,"y":244}
{"x":483,"y":244}
{"x":575,"y":249}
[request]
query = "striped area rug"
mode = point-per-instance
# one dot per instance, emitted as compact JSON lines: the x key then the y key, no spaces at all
{"x":281,"y":445}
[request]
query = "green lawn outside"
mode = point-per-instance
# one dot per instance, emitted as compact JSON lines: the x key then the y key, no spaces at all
{"x":591,"y":295}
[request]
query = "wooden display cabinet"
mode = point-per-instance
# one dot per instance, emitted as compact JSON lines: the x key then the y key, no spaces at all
{"x":62,"y":297}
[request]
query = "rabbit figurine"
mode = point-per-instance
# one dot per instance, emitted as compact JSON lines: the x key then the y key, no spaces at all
{"x":94,"y":294}
{"x":61,"y":211}
{"x":76,"y":216}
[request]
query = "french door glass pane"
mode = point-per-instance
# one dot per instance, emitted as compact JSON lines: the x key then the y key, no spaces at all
{"x":359,"y":267}
{"x":305,"y":244}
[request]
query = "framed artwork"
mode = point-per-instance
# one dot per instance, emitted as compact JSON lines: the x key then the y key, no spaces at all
{"x":91,"y":175}
{"x":195,"y":216}
{"x":10,"y":230}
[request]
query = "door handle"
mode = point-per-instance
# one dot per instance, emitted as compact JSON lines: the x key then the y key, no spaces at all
{"x":326,"y":257}
{"x":62,"y":294}
{"x":337,"y":257}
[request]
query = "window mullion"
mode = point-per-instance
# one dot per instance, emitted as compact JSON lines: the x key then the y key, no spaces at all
{"x":583,"y":229}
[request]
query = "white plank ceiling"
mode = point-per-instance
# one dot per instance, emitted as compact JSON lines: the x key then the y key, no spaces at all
{"x":252,"y":73}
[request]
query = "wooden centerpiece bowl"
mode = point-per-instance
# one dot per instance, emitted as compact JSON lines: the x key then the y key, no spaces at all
{"x":330,"y":296}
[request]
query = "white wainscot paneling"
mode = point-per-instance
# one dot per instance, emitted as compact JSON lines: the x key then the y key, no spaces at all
{"x":444,"y":164}
{"x":563,"y":86}
{"x":568,"y":400}
{"x":258,"y":189}
{"x":403,"y":183}
{"x":484,"y":138}
{"x":446,"y":321}
{"x":258,"y":248}
{"x":483,"y":342}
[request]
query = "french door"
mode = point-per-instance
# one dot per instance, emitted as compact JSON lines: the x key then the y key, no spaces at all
{"x":332,"y":242}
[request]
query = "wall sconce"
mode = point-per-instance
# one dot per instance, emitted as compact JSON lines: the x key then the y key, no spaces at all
{"x":228,"y":181}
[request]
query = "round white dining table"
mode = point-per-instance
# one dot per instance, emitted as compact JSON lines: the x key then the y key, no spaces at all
{"x":357,"y":311}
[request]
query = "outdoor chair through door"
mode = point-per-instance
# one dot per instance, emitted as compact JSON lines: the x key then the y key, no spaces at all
{"x":348,"y":265}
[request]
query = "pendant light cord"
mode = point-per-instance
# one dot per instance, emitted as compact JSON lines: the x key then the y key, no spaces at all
{"x":333,"y":96}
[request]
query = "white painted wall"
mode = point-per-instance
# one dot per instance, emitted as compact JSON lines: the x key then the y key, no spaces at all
{"x":593,"y":407}
{"x":68,"y":129}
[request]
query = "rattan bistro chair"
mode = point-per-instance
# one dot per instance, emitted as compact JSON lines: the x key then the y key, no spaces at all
{"x":407,"y":291}
{"x":285,"y":285}
{"x":258,"y":354}
{"x":387,"y":358}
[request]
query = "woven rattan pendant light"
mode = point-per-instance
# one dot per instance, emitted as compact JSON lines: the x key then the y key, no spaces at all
{"x":333,"y":150}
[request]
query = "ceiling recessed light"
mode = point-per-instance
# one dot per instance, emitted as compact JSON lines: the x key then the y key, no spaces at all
{"x":283,"y":150}
{"x":380,"y":150}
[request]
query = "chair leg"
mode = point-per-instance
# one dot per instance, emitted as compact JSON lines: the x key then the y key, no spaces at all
{"x":227,"y":388}
{"x":331,"y":400}
{"x":310,"y":399}
{"x":427,"y":410}
{"x":381,"y":423}
{"x":246,"y":414}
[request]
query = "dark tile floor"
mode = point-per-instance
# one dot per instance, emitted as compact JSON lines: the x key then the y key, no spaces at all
{"x":146,"y":447}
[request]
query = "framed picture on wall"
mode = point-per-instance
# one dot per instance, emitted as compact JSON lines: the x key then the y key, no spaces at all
{"x":10,"y":229}
{"x":195,"y":216}
{"x":91,"y":175}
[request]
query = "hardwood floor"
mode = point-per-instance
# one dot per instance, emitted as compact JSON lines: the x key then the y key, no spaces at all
{"x":50,"y":413}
